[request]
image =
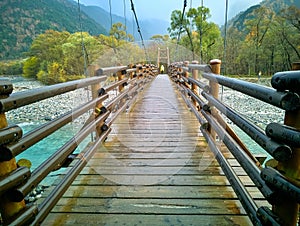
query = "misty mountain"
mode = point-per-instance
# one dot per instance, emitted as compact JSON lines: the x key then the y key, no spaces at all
{"x":22,"y":20}
{"x":276,"y":5}
{"x":148,"y":27}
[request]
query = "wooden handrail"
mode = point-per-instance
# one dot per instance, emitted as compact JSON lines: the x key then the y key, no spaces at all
{"x":17,"y":182}
{"x":279,"y":185}
{"x":285,"y":192}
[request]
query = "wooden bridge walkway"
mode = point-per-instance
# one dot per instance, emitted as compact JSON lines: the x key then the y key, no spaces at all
{"x":154,"y":169}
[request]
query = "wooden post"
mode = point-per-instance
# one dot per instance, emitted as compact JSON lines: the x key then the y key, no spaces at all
{"x":185,"y":73}
{"x":8,"y":208}
{"x":287,"y":208}
{"x":139,"y":70}
{"x":95,"y":87}
{"x":195,"y":87}
{"x":130,"y":66}
{"x":91,"y":70}
{"x":121,"y":75}
{"x":95,"y":94}
{"x":214,"y":89}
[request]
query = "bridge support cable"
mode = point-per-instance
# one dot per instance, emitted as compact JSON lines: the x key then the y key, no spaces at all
{"x":225,"y":46}
{"x":139,"y":30}
{"x":181,"y":21}
{"x":85,"y":55}
{"x":110,"y":13}
{"x":125,"y":17}
{"x":180,"y":27}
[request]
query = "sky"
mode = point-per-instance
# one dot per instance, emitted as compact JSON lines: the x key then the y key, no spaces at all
{"x":162,"y":9}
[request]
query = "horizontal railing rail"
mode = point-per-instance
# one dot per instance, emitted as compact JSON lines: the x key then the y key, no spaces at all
{"x":278,"y":178}
{"x":17,"y":181}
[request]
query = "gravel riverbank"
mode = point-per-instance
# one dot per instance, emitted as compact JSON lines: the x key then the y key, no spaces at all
{"x":44,"y":110}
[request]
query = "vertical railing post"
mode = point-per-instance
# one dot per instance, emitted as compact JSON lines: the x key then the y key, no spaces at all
{"x":8,"y":208}
{"x":91,"y":71}
{"x":214,"y":89}
{"x":121,"y":75}
{"x":194,"y":86}
{"x":179,"y":73}
{"x":131,"y":74}
{"x":96,"y":88}
{"x":186,"y":73}
{"x":287,"y":208}
{"x":139,"y":70}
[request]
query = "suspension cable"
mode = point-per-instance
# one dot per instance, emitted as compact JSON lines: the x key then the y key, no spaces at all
{"x":139,"y":29}
{"x":225,"y":36}
{"x":181,"y":21}
{"x":180,"y":28}
{"x":225,"y":45}
{"x":85,"y":60}
{"x":110,"y":14}
{"x":125,"y":22}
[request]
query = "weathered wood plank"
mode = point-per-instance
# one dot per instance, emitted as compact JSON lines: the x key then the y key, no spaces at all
{"x":145,"y":219}
{"x":158,"y":170}
{"x":157,"y":192}
{"x":95,"y":179}
{"x":149,"y":206}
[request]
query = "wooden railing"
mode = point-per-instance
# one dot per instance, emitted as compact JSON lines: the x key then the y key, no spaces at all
{"x":278,"y":179}
{"x":17,"y":181}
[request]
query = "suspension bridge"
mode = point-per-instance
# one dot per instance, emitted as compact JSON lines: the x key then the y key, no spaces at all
{"x":155,"y":149}
{"x":161,"y":153}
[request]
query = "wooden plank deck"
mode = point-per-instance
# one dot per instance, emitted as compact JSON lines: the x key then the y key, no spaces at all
{"x":154,"y":169}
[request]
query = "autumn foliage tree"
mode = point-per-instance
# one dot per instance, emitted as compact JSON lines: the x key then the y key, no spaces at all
{"x":197,"y":34}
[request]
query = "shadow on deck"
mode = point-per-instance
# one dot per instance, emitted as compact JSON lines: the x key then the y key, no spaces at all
{"x":154,"y":169}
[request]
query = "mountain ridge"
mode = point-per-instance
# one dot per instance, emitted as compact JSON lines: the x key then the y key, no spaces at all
{"x":148,"y":28}
{"x":22,"y":20}
{"x":239,"y":20}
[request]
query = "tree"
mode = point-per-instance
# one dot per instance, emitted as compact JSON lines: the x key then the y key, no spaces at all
{"x":257,"y":30}
{"x":61,"y":56}
{"x":118,"y":30}
{"x":199,"y":17}
{"x":117,"y":37}
{"x":47,"y":46}
{"x":160,"y":38}
{"x":31,"y":67}
{"x":180,"y":22}
{"x":292,"y":15}
{"x":79,"y":50}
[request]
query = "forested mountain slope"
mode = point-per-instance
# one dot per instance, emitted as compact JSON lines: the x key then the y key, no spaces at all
{"x":22,"y":20}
